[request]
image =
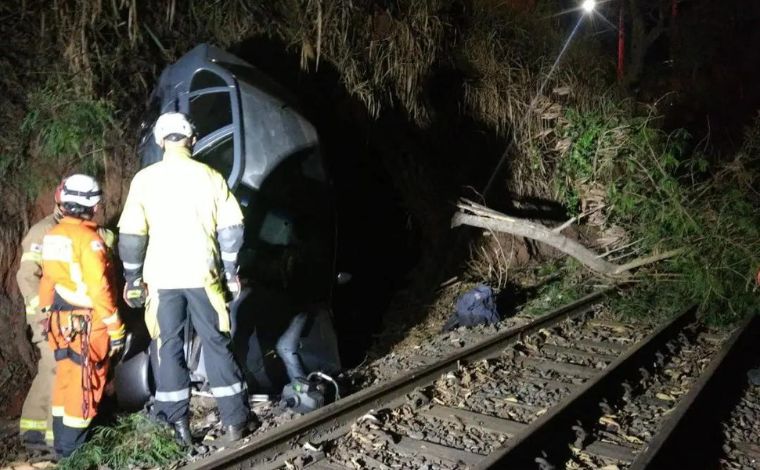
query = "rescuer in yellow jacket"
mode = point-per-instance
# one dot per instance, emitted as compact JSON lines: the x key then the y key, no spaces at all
{"x":177,"y":213}
{"x":36,"y":423}
{"x":84,"y":326}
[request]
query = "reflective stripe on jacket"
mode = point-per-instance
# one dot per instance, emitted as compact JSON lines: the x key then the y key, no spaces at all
{"x":30,"y":267}
{"x":179,"y":204}
{"x":75,"y":265}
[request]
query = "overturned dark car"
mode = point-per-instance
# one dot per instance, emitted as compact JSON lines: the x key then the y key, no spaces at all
{"x":249,"y":130}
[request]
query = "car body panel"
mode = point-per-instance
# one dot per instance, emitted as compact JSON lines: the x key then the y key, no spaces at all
{"x":267,"y":127}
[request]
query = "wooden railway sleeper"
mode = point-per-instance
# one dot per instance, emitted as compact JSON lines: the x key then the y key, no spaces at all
{"x":552,"y":431}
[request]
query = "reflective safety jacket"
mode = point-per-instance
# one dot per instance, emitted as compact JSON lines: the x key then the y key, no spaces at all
{"x":30,"y":268}
{"x":177,"y":206}
{"x":75,"y":266}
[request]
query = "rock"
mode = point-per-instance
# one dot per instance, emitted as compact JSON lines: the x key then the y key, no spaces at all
{"x":211,"y":419}
{"x":201,"y":450}
{"x":417,"y":435}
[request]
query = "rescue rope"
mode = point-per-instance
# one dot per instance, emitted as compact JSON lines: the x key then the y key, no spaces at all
{"x":86,"y":383}
{"x":79,"y":325}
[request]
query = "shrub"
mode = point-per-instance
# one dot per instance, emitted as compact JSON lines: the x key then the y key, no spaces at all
{"x":666,"y":196}
{"x":68,"y":129}
{"x":135,"y":441}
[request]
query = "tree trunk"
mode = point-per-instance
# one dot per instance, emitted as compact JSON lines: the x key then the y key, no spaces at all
{"x":484,"y":217}
{"x":641,"y":39}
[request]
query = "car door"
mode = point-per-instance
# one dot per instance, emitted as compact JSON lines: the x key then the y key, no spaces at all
{"x":213,"y":104}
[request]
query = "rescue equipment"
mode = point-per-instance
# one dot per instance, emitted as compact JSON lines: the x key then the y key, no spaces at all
{"x":308,"y":394}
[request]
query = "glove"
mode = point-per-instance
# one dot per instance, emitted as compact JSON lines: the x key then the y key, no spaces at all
{"x":135,"y":292}
{"x":116,"y":347}
{"x":233,"y":285}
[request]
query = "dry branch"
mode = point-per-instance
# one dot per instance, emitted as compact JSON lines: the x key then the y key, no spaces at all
{"x":480,"y":216}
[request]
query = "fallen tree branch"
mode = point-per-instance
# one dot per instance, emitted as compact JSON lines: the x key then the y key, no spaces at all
{"x":483,"y":217}
{"x":639,"y":262}
{"x":577,"y":218}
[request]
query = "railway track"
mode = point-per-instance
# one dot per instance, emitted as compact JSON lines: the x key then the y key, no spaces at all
{"x":572,"y":389}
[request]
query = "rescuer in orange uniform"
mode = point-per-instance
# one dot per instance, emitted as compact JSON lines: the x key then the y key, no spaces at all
{"x":36,"y":423}
{"x":84,"y":325}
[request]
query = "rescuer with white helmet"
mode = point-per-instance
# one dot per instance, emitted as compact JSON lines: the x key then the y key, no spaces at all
{"x":180,"y":222}
{"x":173,"y":126}
{"x":76,"y":294}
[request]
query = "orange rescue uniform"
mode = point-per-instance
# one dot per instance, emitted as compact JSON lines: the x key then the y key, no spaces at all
{"x":76,"y":285}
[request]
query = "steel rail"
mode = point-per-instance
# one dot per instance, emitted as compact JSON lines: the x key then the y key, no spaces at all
{"x":319,"y":423}
{"x":554,"y":431}
{"x":691,"y":435}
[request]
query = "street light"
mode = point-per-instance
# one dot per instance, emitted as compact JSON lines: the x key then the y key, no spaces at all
{"x":588,"y":6}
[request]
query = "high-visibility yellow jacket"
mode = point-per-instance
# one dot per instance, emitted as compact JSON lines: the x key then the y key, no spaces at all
{"x":180,"y":205}
{"x":75,"y":266}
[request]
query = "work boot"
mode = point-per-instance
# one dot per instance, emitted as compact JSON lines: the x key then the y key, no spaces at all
{"x":235,"y":432}
{"x":36,"y":446}
{"x":182,"y":432}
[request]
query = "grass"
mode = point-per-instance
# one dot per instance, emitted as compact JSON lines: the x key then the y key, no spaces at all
{"x":560,"y":282}
{"x":134,"y":441}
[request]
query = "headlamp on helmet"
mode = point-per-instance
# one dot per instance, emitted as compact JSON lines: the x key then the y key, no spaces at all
{"x":79,"y":189}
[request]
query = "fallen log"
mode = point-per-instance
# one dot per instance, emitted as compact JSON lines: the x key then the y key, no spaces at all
{"x":476,"y":215}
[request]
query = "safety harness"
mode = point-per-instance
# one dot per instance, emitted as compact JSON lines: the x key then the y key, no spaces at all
{"x":79,"y":324}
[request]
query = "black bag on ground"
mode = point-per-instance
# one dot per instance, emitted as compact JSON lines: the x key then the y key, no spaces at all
{"x":474,"y":307}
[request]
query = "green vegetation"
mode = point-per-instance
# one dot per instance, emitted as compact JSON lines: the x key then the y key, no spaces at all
{"x":563,"y":282}
{"x":665,"y":196}
{"x":68,"y":129}
{"x":641,"y":191}
{"x":134,"y":441}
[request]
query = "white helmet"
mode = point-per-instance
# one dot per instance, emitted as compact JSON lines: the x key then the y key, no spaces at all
{"x":80,"y":189}
{"x":169,"y":124}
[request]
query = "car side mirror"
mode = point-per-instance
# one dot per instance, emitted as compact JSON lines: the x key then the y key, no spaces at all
{"x":343,"y":278}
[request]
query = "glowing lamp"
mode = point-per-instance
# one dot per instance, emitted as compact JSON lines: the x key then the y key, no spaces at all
{"x":588,"y":6}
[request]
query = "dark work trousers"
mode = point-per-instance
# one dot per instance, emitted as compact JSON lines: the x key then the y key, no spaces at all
{"x":289,"y":343}
{"x":67,"y":439}
{"x":173,"y":380}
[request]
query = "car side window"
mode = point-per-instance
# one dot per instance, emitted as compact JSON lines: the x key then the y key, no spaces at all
{"x":219,"y":156}
{"x":210,"y":111}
